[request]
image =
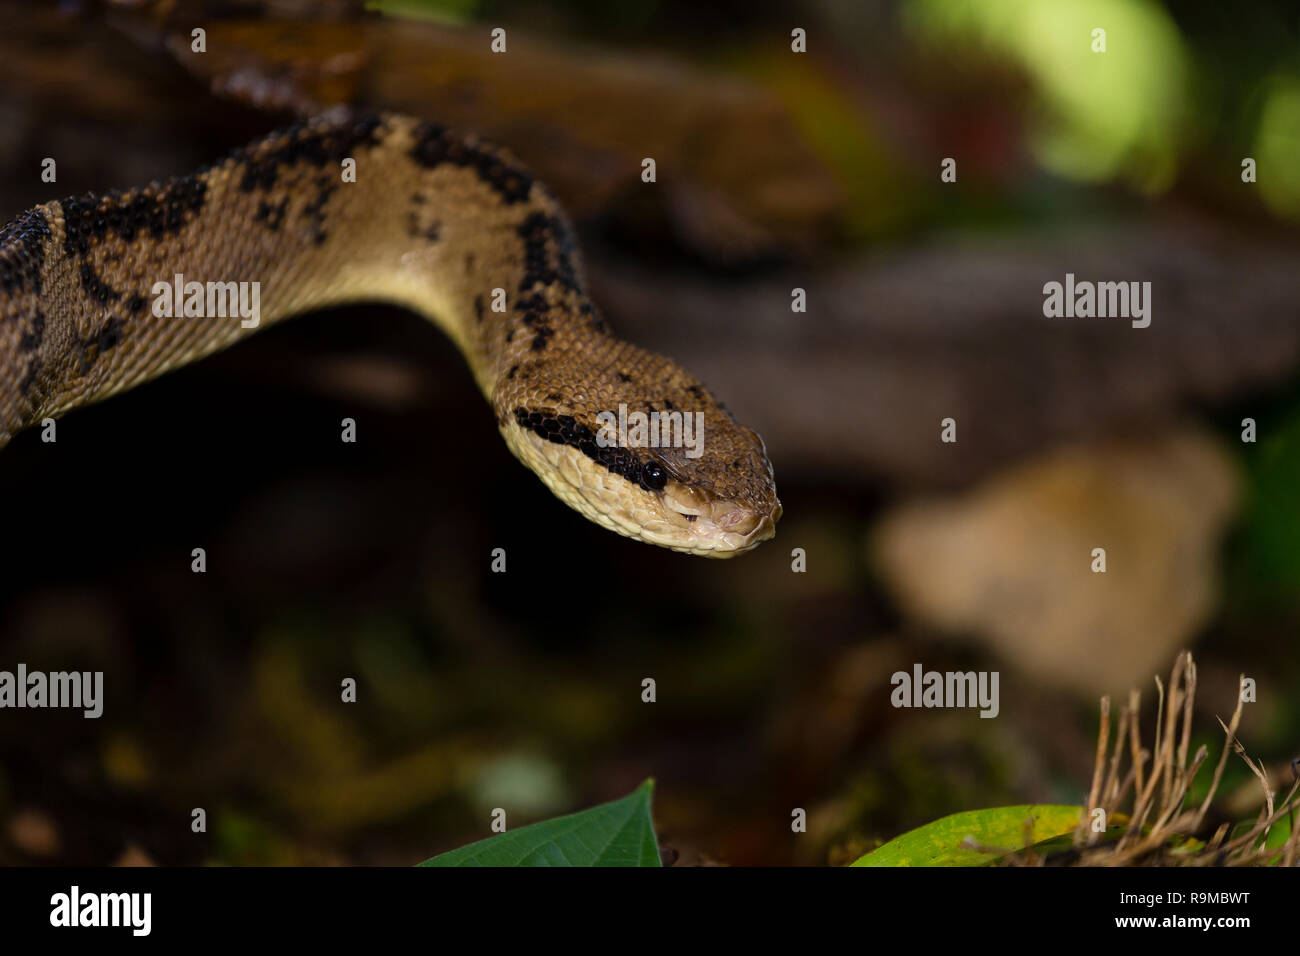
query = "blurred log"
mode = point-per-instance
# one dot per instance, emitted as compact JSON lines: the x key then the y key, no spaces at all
{"x":736,"y":178}
{"x":107,"y":111}
{"x":857,"y":387}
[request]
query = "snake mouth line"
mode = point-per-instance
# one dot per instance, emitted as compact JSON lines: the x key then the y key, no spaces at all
{"x":680,"y":516}
{"x":721,"y":527}
{"x":665,"y":509}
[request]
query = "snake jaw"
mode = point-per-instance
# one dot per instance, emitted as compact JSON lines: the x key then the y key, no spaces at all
{"x":718,"y":528}
{"x":680,"y":517}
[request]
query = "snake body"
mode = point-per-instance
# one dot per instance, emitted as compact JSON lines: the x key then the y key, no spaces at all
{"x":434,"y":221}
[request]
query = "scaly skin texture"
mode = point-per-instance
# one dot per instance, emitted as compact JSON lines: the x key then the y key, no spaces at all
{"x":434,"y":222}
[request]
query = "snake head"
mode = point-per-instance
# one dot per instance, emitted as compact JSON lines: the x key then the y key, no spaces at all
{"x":690,"y":478}
{"x":718,"y":504}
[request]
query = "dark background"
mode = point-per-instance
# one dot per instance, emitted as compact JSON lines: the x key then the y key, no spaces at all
{"x":522,"y":690}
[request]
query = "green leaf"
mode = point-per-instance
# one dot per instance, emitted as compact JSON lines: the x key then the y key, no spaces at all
{"x":1000,"y":829}
{"x":613,"y":834}
{"x":1064,"y":842}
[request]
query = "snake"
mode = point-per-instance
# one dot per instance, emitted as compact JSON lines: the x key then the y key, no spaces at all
{"x":103,"y":292}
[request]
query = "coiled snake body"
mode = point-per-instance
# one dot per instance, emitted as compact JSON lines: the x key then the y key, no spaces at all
{"x":435,"y":222}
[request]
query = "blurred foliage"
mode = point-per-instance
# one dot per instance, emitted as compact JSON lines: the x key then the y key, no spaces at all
{"x":1264,"y":565}
{"x":1277,"y":146}
{"x":880,"y":197}
{"x":438,"y":11}
{"x":1121,"y":112}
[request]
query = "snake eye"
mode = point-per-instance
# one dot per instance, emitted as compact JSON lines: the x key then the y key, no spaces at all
{"x":653,"y":476}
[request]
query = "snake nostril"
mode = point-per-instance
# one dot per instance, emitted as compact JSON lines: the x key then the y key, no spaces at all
{"x":738,"y":520}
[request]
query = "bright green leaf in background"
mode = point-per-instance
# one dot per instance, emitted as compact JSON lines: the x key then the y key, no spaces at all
{"x":1000,"y":829}
{"x":1277,"y":144}
{"x":613,"y":834}
{"x":1121,"y":113}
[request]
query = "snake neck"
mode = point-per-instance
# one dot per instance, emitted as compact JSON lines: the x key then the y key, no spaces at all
{"x":101,"y":293}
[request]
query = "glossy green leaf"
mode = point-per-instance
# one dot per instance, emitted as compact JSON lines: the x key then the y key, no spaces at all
{"x":613,"y":834}
{"x":1000,"y":829}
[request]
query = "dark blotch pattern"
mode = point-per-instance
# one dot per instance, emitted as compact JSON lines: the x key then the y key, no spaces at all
{"x":272,"y":214}
{"x":432,"y":232}
{"x":22,"y":252}
{"x":95,"y":346}
{"x":98,"y":291}
{"x":31,"y":339}
{"x":436,"y":145}
{"x":31,"y":343}
{"x":595,"y":321}
{"x":567,"y":430}
{"x":541,"y":328}
{"x":159,"y":211}
{"x":548,"y":253}
{"x":22,"y":256}
{"x":317,"y":146}
{"x":315,"y":210}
